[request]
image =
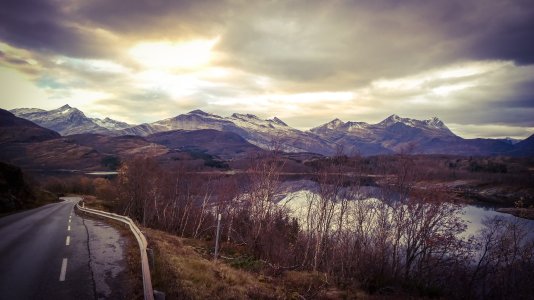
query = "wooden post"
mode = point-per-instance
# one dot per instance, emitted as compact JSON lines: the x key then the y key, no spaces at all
{"x":217,"y":237}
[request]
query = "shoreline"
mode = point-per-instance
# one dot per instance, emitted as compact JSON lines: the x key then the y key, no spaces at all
{"x":525,"y":213}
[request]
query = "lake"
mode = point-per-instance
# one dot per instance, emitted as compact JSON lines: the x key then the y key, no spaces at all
{"x":295,"y":199}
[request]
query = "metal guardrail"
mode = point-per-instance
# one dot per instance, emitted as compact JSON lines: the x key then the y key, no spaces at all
{"x":141,"y":240}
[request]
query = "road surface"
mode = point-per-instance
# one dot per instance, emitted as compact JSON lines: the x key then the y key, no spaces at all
{"x":44,"y":254}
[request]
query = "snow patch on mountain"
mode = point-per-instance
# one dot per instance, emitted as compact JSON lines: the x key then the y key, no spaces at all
{"x":25,"y":111}
{"x":111,"y":124}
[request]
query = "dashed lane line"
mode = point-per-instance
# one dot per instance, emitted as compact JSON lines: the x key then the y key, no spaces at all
{"x":63,"y":270}
{"x":67,"y":242}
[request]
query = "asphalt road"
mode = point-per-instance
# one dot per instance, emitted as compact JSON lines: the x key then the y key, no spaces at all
{"x":44,"y":254}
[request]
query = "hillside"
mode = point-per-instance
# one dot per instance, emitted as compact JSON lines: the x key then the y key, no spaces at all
{"x":14,"y":129}
{"x":225,"y":145}
{"x":524,"y":147}
{"x":123,"y":146}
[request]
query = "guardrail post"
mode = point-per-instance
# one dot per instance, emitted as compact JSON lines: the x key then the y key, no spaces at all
{"x":150,"y":253}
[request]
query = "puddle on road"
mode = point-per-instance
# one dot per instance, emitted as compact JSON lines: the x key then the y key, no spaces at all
{"x":108,"y":259}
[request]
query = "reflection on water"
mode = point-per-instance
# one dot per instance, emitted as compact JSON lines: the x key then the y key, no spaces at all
{"x":296,"y":201}
{"x":475,"y":214}
{"x":102,"y":173}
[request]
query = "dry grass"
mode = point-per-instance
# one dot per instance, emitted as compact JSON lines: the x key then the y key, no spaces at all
{"x":95,"y":203}
{"x":183,"y":270}
{"x":183,"y":273}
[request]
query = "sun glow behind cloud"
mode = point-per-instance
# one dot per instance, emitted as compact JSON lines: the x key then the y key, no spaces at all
{"x":173,"y":55}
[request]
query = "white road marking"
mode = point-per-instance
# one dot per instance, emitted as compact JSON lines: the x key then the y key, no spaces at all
{"x":63,"y":270}
{"x":68,"y":228}
{"x":69,"y":220}
{"x":67,"y":242}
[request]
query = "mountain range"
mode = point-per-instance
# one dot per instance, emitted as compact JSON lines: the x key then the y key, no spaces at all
{"x":392,"y":135}
{"x":68,"y":120}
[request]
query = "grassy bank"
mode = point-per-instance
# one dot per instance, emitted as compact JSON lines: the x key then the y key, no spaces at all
{"x":184,"y":269}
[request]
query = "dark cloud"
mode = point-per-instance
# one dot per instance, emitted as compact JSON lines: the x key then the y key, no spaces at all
{"x":486,"y":29}
{"x":505,"y":32}
{"x":40,"y":25}
{"x":298,"y":40}
{"x":171,"y":19}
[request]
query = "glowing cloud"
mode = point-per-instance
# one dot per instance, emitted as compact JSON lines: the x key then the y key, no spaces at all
{"x":170,"y":55}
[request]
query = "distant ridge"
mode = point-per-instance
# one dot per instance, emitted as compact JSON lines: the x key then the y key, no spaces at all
{"x":394,"y":134}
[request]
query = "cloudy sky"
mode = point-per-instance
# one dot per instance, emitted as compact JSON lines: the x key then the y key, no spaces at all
{"x":468,"y":62}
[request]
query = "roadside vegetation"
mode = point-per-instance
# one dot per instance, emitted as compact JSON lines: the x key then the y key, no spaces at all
{"x":18,"y":191}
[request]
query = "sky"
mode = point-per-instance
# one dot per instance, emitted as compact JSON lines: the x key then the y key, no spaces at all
{"x":468,"y":62}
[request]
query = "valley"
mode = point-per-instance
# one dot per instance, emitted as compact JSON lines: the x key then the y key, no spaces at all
{"x":360,"y":190}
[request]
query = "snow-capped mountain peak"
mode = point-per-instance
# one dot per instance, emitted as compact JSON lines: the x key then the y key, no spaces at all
{"x":63,"y":111}
{"x":278,"y":121}
{"x":334,"y":124}
{"x":253,"y":122}
{"x":26,"y":111}
{"x":202,"y":114}
{"x":435,"y":122}
{"x":355,"y":125}
{"x":392,"y":120}
{"x":198,"y":112}
{"x":245,"y":116}
{"x":110,"y":124}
